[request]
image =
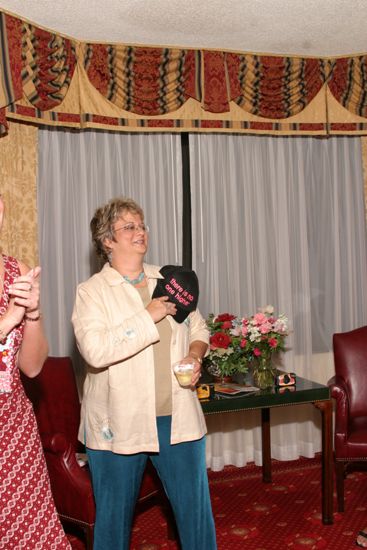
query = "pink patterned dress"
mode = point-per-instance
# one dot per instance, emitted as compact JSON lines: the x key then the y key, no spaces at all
{"x":28,"y":518}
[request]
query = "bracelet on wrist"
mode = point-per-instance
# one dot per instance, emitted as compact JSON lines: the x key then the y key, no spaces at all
{"x":32,"y":319}
{"x":197,"y":358}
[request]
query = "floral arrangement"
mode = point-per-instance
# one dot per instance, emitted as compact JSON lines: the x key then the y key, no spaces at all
{"x":264,"y":333}
{"x":237,"y":341}
{"x":227,"y":353}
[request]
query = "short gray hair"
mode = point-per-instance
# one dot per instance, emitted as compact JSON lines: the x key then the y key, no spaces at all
{"x":105,"y":217}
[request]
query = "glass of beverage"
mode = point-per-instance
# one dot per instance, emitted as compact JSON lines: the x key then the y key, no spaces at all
{"x":183,"y":372}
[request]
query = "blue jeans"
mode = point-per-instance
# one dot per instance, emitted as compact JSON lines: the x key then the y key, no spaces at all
{"x":116,"y":483}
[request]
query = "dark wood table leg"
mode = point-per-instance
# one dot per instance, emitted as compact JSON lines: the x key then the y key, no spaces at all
{"x":265,"y":442}
{"x":327,"y":460}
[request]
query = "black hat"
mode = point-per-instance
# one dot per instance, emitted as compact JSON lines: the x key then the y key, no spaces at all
{"x":181,"y":285}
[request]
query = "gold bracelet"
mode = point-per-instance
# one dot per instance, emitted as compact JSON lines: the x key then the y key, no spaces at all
{"x":197,"y":358}
{"x":32,"y":319}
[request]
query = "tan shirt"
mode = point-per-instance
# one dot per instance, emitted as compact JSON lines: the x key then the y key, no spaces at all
{"x":115,"y":333}
{"x":162,"y":361}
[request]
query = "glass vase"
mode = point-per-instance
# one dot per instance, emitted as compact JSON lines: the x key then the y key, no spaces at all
{"x":263,"y":371}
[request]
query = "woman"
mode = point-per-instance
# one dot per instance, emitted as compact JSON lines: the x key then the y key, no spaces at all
{"x":28,"y":517}
{"x":133,"y":407}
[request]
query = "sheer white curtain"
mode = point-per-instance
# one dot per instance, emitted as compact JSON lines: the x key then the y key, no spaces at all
{"x":79,"y":171}
{"x":275,"y":220}
{"x":280,"y":221}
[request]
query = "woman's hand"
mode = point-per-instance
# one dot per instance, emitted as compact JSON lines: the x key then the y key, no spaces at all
{"x":160,"y":307}
{"x":14,"y":315}
{"x":25,"y":295}
{"x":196,"y":373}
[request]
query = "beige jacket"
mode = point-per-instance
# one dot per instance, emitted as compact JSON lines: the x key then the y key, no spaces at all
{"x":114,"y":333}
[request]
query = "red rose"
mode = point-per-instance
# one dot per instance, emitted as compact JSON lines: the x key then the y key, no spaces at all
{"x":273,"y":342}
{"x":224,"y":317}
{"x":257,"y":352}
{"x":226,"y":325}
{"x":220,"y":340}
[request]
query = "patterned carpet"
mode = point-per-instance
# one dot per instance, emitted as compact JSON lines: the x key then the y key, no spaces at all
{"x":285,"y":514}
{"x":251,"y":515}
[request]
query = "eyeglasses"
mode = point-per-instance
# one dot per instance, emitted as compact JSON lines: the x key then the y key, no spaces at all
{"x":130,"y":228}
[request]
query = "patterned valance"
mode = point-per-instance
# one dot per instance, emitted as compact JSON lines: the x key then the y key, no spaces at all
{"x":273,"y":87}
{"x":145,"y":81}
{"x":348,"y":83}
{"x":51,"y":79}
{"x":48,"y":64}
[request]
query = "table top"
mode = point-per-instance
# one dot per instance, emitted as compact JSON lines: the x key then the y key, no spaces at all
{"x":305,"y":391}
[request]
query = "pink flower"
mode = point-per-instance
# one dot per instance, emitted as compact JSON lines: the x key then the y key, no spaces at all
{"x":280,"y":326}
{"x":257,"y":352}
{"x":243,"y":343}
{"x":273,"y":342}
{"x":244,"y":330}
{"x":260,"y":318}
{"x":265,"y":328}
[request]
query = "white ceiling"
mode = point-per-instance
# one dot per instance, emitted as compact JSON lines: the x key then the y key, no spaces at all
{"x":305,"y":27}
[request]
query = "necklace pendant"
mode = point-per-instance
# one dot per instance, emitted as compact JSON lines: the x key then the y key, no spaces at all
{"x":136,"y":281}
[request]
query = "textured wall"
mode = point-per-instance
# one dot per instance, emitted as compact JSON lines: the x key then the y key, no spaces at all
{"x":18,"y":187}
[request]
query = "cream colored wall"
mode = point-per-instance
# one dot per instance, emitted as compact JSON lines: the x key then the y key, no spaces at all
{"x":18,"y":187}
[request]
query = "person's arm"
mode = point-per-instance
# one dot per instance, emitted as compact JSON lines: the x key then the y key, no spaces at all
{"x":25,"y":304}
{"x":34,"y":349}
{"x":199,"y":342}
{"x":195,"y":356}
{"x":199,"y":339}
{"x":197,"y":351}
{"x":101,"y":342}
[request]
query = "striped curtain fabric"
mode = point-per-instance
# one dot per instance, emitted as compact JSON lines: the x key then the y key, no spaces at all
{"x":51,"y":79}
{"x":145,"y":81}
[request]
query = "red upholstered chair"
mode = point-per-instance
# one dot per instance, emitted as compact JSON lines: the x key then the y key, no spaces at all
{"x":349,"y":389}
{"x":56,"y":404}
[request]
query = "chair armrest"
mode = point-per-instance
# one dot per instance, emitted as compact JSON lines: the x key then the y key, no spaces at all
{"x":55,"y":443}
{"x":71,"y":484}
{"x":338,"y":392}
